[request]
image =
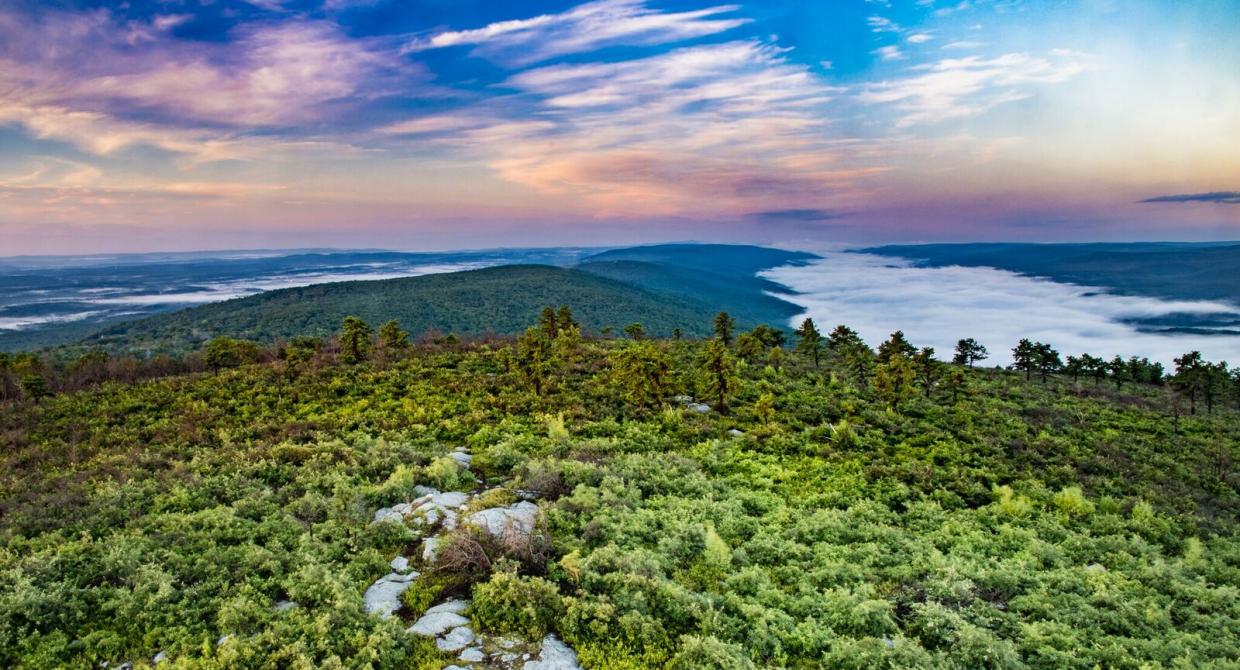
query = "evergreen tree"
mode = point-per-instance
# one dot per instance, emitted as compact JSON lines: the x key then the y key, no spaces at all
{"x":893,"y":381}
{"x":635,"y":331}
{"x":392,"y":337}
{"x":1095,"y":367}
{"x":724,"y":323}
{"x":717,"y":373}
{"x":958,"y":384}
{"x":640,"y":370}
{"x":676,"y":334}
{"x":809,"y":340}
{"x":749,"y":347}
{"x":1025,"y":357}
{"x":534,"y":359}
{"x":221,"y":352}
{"x":770,"y":337}
{"x":1047,"y":359}
{"x":927,"y":369}
{"x":843,"y":339}
{"x":896,"y":345}
{"x":1075,"y":366}
{"x":1118,"y":368}
{"x":564,"y":318}
{"x":969,"y":351}
{"x":549,"y":322}
{"x":355,"y":339}
{"x":1188,"y":377}
{"x":764,"y":407}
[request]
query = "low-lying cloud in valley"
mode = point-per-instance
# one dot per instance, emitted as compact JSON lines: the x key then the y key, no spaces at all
{"x":937,"y":306}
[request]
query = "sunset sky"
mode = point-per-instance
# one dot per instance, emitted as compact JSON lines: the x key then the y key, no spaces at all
{"x":432,"y":124}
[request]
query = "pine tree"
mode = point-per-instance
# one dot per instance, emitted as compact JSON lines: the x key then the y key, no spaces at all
{"x":640,"y":370}
{"x":564,"y":318}
{"x":927,"y":369}
{"x":717,"y":373}
{"x":893,"y":381}
{"x":534,"y":359}
{"x":392,"y":337}
{"x":549,"y":322}
{"x":355,"y":339}
{"x":969,"y":351}
{"x":896,"y":345}
{"x":635,"y":331}
{"x":724,"y":323}
{"x":809,"y":340}
{"x":1025,"y":357}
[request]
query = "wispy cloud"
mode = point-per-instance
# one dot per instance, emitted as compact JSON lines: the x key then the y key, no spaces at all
{"x":699,"y":128}
{"x":957,"y":88}
{"x":799,"y":215}
{"x":583,"y":29}
{"x":1225,"y":197}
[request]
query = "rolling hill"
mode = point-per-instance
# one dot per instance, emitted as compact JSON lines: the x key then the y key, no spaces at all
{"x":662,"y":287}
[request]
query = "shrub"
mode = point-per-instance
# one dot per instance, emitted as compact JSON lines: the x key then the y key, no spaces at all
{"x":708,"y":653}
{"x":1071,"y":502}
{"x":511,"y":604}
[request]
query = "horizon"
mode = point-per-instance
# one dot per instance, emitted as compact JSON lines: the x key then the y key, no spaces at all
{"x":369,"y":123}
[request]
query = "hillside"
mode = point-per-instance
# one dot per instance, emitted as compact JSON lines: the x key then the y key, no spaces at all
{"x":274,"y":514}
{"x":662,"y":287}
{"x":502,"y":299}
{"x":710,"y":274}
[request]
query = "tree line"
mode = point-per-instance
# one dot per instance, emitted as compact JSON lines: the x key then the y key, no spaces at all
{"x":896,"y":371}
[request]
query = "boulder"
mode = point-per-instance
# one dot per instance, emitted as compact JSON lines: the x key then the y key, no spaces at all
{"x":455,"y":606}
{"x":555,"y":655}
{"x":500,"y":522}
{"x":472,"y":655}
{"x":399,"y":564}
{"x":430,"y":549}
{"x":462,"y":459}
{"x":456,"y":640}
{"x":698,"y":407}
{"x":383,"y":597}
{"x":437,"y":623}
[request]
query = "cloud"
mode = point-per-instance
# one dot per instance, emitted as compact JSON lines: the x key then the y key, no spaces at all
{"x":799,"y":215}
{"x":957,"y":88}
{"x":583,"y":29}
{"x":1226,"y":197}
{"x":937,"y":306}
{"x":730,"y":127}
{"x":891,"y":52}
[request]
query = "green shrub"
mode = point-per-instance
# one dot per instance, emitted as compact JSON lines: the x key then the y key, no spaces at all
{"x":516,"y":605}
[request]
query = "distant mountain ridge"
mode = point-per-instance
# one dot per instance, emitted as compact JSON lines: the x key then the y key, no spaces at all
{"x":662,"y":287}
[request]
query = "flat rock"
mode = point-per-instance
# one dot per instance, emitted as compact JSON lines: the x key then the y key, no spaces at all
{"x":455,"y":606}
{"x":459,"y":638}
{"x":736,"y":433}
{"x":472,"y":655}
{"x":500,"y":521}
{"x":395,"y":513}
{"x":399,"y":564}
{"x":434,"y":625}
{"x":383,"y":597}
{"x":555,"y":655}
{"x":285,"y":605}
{"x":700,"y":408}
{"x":462,"y":459}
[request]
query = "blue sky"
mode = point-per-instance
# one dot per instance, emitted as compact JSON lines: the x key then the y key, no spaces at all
{"x":437,"y":123}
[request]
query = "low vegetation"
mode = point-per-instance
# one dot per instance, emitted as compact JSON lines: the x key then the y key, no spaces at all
{"x":829,"y":505}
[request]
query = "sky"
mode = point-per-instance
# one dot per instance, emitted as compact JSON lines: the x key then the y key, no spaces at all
{"x":437,"y":124}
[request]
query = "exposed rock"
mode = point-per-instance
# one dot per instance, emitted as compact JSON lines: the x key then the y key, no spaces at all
{"x":285,"y":605}
{"x":455,"y":606}
{"x":160,"y":657}
{"x":458,"y":639}
{"x":383,"y":597}
{"x":223,"y":639}
{"x":430,"y":548}
{"x":437,"y":623}
{"x":682,"y":399}
{"x":698,"y":407}
{"x":399,"y":564}
{"x":502,"y":521}
{"x":462,"y":459}
{"x":555,"y":655}
{"x":472,"y":655}
{"x":395,"y":513}
{"x":736,"y":433}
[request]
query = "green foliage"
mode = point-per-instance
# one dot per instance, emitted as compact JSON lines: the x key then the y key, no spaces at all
{"x":516,"y":605}
{"x":355,"y":340}
{"x":1017,"y":525}
{"x":717,"y":373}
{"x":640,"y":372}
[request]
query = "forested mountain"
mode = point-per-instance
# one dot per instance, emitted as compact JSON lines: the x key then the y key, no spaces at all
{"x":662,"y":287}
{"x":622,"y":504}
{"x":502,"y":299}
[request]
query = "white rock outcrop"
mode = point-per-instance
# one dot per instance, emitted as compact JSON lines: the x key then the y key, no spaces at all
{"x":499,"y":522}
{"x":555,"y":655}
{"x":383,"y":597}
